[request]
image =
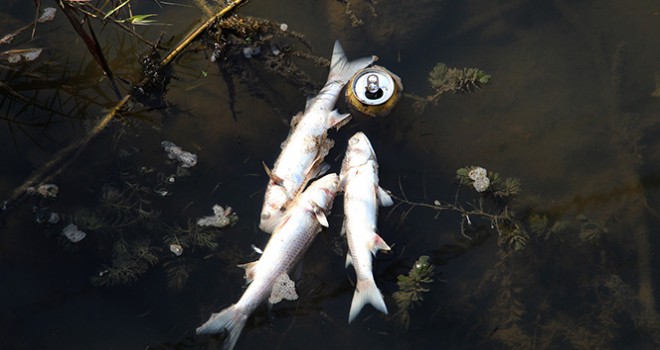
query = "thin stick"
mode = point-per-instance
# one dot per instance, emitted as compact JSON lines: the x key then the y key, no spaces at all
{"x":65,"y":156}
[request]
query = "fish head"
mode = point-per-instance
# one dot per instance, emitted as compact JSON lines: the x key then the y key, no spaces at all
{"x":273,"y":209}
{"x":359,"y":152}
{"x":321,"y":193}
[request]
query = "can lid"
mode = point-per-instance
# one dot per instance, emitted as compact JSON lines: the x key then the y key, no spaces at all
{"x":373,"y":86}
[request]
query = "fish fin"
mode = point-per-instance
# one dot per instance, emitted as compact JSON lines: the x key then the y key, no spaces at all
{"x":276,"y":179}
{"x":231,"y":319}
{"x":384,"y":199}
{"x":377,"y":243}
{"x":320,"y":216}
{"x":343,"y":70}
{"x":337,"y":120}
{"x":249,"y":270}
{"x":318,"y":168}
{"x":349,"y":260}
{"x":322,"y":169}
{"x":366,"y":291}
{"x":256,"y":249}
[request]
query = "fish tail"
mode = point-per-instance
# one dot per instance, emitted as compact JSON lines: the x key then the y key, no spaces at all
{"x":231,"y":319}
{"x":342,"y":69}
{"x":366,"y":292}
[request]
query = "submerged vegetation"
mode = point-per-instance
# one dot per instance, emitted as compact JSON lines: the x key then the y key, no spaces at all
{"x":124,"y":220}
{"x":531,"y":301}
{"x":349,"y":5}
{"x":412,"y":287}
{"x":245,"y":48}
{"x":493,"y":205}
{"x":443,"y":79}
{"x":128,"y":216}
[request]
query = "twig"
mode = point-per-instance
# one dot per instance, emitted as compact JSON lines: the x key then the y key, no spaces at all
{"x":90,"y":41}
{"x":190,"y":37}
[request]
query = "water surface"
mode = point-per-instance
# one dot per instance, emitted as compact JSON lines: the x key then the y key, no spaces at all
{"x":569,"y":112}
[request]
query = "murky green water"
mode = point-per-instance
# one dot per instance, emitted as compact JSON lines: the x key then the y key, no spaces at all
{"x":569,"y":112}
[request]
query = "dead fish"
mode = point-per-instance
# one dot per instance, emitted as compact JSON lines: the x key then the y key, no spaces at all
{"x":362,"y":196}
{"x":307,"y":144}
{"x":290,"y":239}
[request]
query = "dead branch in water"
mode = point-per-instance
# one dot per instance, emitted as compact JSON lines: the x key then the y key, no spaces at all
{"x":66,"y":156}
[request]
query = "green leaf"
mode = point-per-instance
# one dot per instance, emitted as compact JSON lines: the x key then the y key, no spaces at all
{"x":116,"y":9}
{"x":141,"y":19}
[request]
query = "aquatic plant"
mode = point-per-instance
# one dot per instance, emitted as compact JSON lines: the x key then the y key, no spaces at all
{"x":193,"y":236}
{"x":457,"y":80}
{"x":130,"y":260}
{"x":35,"y":92}
{"x":178,"y":271}
{"x":64,"y":157}
{"x":353,"y":16}
{"x":492,"y":204}
{"x":124,"y":223}
{"x":242,"y":46}
{"x":411,"y":290}
{"x":529,"y":303}
{"x":155,"y":78}
{"x":124,"y":220}
{"x":498,"y":187}
{"x":443,"y":79}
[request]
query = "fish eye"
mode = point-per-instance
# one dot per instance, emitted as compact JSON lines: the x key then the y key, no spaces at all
{"x":265,"y":216}
{"x":353,"y":141}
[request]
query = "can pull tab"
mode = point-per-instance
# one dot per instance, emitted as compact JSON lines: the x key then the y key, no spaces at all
{"x":373,"y":90}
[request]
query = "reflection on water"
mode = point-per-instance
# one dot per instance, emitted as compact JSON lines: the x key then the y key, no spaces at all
{"x":569,"y":113}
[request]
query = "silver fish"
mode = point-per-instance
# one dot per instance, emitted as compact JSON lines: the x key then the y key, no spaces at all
{"x":362,"y":196}
{"x":307,"y":143}
{"x":290,"y":239}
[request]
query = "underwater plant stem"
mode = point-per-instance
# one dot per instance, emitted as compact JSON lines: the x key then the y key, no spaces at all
{"x":446,"y":206}
{"x":62,"y":160}
{"x":64,"y":157}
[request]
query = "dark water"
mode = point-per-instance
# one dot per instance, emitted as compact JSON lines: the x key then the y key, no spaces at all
{"x":569,"y":112}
